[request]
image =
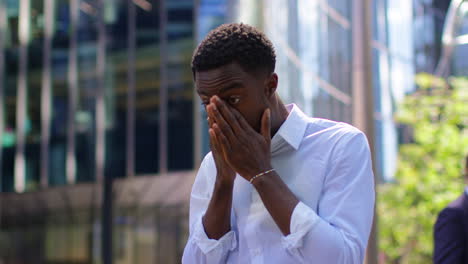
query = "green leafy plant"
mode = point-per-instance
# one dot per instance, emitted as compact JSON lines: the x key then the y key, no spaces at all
{"x":429,"y":169}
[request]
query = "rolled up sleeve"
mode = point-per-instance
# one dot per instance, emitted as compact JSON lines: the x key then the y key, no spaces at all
{"x":303,"y":219}
{"x":340,"y":228}
{"x":200,"y":248}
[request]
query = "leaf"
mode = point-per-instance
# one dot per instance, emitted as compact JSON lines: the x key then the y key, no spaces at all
{"x":429,"y":169}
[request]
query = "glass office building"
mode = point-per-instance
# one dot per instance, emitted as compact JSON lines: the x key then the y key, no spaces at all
{"x":459,"y":63}
{"x":314,"y":45}
{"x":69,"y":75}
{"x":94,"y":89}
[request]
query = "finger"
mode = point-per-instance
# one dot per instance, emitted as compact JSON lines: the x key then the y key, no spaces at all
{"x":213,"y":141}
{"x":222,"y":124}
{"x":210,"y":122}
{"x":210,"y":117}
{"x":241,"y":120}
{"x":223,"y":143}
{"x":266,"y":125}
{"x":214,"y":145}
{"x":226,"y":113}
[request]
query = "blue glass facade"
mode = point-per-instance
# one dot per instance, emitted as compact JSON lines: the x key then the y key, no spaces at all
{"x":92,"y":86}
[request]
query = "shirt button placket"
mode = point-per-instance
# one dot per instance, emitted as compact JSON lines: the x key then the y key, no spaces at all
{"x":257,"y":257}
{"x":253,"y":218}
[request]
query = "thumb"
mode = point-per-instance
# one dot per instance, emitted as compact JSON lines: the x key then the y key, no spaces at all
{"x":266,"y":125}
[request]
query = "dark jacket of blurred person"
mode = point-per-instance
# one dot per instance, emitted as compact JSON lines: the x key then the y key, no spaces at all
{"x":451,"y":230}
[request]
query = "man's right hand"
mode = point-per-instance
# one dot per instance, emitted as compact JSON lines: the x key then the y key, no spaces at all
{"x":225,"y":174}
{"x":217,"y":218}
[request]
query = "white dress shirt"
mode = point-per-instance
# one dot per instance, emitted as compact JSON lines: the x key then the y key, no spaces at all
{"x":327,"y":165}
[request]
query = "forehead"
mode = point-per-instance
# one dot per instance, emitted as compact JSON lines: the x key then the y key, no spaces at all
{"x":212,"y":80}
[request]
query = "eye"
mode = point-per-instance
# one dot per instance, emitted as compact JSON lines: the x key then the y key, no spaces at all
{"x":205,"y":101}
{"x":233,"y":100}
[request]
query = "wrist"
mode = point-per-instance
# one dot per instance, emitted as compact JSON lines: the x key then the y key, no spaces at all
{"x":261,"y":181}
{"x":262,"y":174}
{"x":223,"y":183}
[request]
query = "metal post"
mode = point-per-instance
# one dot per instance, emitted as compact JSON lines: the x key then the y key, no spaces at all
{"x":163,"y":88}
{"x":363,"y":107}
{"x":102,"y":180}
{"x":72,"y":92}
{"x":197,"y":110}
{"x":3,"y":17}
{"x":100,"y":110}
{"x":46,"y":93}
{"x":448,"y":35}
{"x":293,"y":42}
{"x":131,"y":42}
{"x":21,"y":103}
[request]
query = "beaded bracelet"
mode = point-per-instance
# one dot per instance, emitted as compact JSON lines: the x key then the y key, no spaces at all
{"x":260,"y":174}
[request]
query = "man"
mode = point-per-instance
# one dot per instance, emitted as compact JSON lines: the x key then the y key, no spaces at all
{"x":451,"y":230}
{"x":277,"y":186}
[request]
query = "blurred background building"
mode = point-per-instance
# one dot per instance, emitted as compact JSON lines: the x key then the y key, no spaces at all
{"x":98,"y":94}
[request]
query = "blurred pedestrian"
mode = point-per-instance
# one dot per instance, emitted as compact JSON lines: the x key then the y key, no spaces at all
{"x":451,"y":230}
{"x":277,"y":186}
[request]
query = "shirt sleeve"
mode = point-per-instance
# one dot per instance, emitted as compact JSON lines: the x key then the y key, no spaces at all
{"x":340,"y":228}
{"x":199,"y":248}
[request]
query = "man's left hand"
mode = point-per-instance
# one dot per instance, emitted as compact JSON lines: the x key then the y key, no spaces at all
{"x":246,"y":150}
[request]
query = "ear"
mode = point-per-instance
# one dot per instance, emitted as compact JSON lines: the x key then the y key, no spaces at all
{"x":271,"y":83}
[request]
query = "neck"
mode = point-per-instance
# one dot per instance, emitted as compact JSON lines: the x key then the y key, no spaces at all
{"x":279,"y":113}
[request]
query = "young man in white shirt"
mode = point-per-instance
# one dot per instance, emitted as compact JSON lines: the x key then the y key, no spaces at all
{"x":277,"y":186}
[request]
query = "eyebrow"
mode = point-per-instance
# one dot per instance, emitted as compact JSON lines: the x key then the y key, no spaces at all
{"x":231,"y":86}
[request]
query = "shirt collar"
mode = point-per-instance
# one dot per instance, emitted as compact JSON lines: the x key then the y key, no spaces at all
{"x":292,"y":130}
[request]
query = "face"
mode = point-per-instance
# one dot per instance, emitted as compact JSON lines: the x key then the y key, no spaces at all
{"x":247,"y":93}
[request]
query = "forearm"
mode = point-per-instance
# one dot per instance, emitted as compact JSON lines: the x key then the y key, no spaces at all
{"x":278,"y":199}
{"x":315,"y":238}
{"x":217,"y":219}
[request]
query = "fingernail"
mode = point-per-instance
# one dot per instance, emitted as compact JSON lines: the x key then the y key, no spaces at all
{"x":211,"y":108}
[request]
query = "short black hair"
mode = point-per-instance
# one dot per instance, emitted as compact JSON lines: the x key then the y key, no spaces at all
{"x":239,"y":43}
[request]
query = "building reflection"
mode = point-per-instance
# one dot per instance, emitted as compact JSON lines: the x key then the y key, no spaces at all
{"x":54,"y":74}
{"x":51,"y":198}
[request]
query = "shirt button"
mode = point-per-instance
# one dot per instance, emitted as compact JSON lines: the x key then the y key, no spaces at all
{"x":256,"y":252}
